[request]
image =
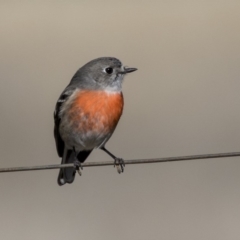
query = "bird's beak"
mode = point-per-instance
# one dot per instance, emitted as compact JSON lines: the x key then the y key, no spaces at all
{"x":127,"y":70}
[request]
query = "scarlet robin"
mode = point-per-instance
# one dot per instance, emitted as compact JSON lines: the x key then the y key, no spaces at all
{"x":87,"y":113}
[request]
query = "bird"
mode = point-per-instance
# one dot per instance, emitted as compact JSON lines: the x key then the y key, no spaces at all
{"x":87,"y":113}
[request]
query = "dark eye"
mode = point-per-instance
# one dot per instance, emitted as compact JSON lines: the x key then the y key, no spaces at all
{"x":109,"y":70}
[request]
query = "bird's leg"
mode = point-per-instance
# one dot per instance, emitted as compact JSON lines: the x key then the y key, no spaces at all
{"x":77,"y":164}
{"x":117,"y":161}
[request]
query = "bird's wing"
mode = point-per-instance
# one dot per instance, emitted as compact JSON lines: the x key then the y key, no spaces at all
{"x":57,"y":120}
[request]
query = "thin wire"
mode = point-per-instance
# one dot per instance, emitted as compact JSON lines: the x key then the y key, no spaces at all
{"x":137,"y":161}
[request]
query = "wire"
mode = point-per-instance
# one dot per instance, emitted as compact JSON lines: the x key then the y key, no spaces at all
{"x":137,"y":161}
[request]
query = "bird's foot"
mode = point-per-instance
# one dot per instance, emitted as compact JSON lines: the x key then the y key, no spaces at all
{"x":119,"y":163}
{"x":77,"y":165}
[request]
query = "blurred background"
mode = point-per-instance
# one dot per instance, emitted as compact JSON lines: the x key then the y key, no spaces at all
{"x":183,"y":100}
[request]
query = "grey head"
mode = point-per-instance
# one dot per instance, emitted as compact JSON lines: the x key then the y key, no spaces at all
{"x":106,"y":73}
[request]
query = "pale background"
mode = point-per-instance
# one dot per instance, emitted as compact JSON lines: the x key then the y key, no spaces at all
{"x":183,"y":100}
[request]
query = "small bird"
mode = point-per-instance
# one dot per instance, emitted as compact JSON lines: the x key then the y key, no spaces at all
{"x":87,"y":113}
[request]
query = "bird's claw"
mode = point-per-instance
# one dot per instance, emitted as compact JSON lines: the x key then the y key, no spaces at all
{"x":77,"y":165}
{"x":120,"y":164}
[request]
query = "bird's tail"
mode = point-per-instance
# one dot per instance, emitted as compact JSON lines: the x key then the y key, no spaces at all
{"x":67,"y":175}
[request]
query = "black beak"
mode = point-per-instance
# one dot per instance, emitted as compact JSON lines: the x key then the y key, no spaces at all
{"x":128,"y":70}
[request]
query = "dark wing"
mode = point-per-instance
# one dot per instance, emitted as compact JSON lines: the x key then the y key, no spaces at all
{"x":57,"y":120}
{"x":74,"y":83}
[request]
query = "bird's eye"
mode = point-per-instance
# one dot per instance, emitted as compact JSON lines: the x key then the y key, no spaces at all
{"x":109,"y":70}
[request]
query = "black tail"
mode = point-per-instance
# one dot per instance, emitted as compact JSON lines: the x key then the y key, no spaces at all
{"x":67,"y":175}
